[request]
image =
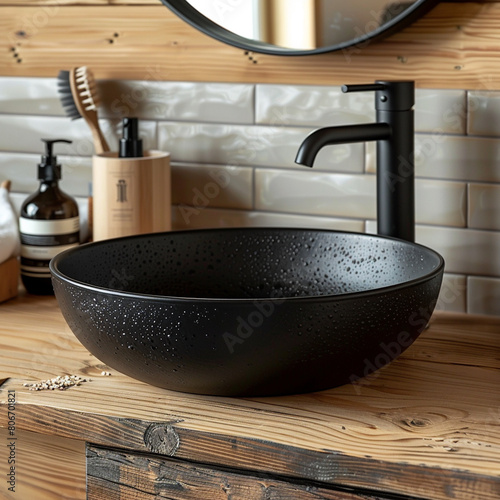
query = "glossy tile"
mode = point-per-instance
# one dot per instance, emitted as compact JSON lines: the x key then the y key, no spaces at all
{"x":440,"y":110}
{"x":22,"y":133}
{"x":484,"y":206}
{"x":252,"y":146}
{"x":315,"y":193}
{"x":483,"y":295}
{"x":484,"y":113}
{"x":303,"y":105}
{"x":453,"y":294}
{"x":30,"y":96}
{"x":449,"y":157}
{"x":238,"y":218}
{"x":183,"y":101}
{"x":440,"y":202}
{"x":22,"y":170}
{"x":341,"y":195}
{"x":465,"y":251}
{"x":370,"y":157}
{"x":210,"y":186}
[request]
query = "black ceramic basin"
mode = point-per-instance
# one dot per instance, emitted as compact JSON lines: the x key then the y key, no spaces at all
{"x":254,"y":311}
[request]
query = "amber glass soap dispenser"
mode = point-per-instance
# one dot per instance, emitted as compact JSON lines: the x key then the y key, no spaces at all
{"x":49,"y":224}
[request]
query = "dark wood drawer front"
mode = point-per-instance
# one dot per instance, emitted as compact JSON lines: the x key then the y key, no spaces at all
{"x":117,"y":475}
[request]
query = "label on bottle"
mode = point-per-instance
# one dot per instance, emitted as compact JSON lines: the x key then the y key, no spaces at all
{"x":49,"y":227}
{"x":41,"y":240}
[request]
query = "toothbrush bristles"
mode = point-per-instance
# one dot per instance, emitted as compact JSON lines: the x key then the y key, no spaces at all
{"x":86,"y":88}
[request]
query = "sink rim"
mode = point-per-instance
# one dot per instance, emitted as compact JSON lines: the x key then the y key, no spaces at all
{"x":56,"y":273}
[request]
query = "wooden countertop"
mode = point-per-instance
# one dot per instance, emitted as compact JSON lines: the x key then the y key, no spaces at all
{"x":427,"y":425}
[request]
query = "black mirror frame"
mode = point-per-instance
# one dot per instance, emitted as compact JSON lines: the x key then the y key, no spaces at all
{"x":193,"y":17}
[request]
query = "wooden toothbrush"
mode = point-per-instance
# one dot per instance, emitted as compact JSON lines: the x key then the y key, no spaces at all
{"x":79,"y":98}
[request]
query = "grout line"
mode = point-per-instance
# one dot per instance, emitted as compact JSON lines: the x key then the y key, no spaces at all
{"x":5,"y":154}
{"x":467,"y":204}
{"x":157,"y":136}
{"x":254,"y":103}
{"x":466,"y":294}
{"x":467,"y":117}
{"x":254,"y":188}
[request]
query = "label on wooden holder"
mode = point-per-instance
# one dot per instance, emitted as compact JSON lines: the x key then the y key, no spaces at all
{"x":131,"y":195}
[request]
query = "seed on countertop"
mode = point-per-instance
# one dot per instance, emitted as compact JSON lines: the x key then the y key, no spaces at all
{"x":60,"y":382}
{"x":105,"y":374}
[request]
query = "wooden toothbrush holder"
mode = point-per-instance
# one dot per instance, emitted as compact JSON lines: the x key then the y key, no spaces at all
{"x":131,"y":195}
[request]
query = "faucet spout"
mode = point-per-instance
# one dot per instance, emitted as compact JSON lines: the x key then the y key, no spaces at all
{"x":328,"y":136}
{"x":394,"y":133}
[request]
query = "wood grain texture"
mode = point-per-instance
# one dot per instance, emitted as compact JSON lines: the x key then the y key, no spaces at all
{"x":456,"y":45}
{"x":113,"y":474}
{"x":148,"y":202}
{"x":47,"y":468}
{"x":9,"y":279}
{"x":434,"y":413}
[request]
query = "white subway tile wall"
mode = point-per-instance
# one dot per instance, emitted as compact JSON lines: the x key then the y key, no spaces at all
{"x":185,"y":217}
{"x":212,"y":185}
{"x":251,"y":145}
{"x":180,"y":101}
{"x":22,"y":169}
{"x":233,"y":148}
{"x":315,"y":193}
{"x":23,"y":133}
{"x":483,"y":295}
{"x":484,"y":113}
{"x":30,"y":96}
{"x":484,"y":206}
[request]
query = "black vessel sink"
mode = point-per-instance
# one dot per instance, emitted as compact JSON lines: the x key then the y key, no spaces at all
{"x":254,"y":311}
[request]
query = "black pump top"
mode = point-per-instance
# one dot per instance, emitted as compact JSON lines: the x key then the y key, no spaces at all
{"x":48,"y":169}
{"x":130,"y":144}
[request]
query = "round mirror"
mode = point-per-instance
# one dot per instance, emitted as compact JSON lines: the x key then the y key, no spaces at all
{"x":298,"y":27}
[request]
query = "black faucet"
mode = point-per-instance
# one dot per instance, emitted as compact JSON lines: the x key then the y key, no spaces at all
{"x":394,"y":133}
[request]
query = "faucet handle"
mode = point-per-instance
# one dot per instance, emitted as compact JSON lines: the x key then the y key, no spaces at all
{"x":368,"y":87}
{"x":389,"y":95}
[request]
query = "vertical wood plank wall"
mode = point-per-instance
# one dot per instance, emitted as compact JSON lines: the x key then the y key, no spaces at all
{"x":456,"y":45}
